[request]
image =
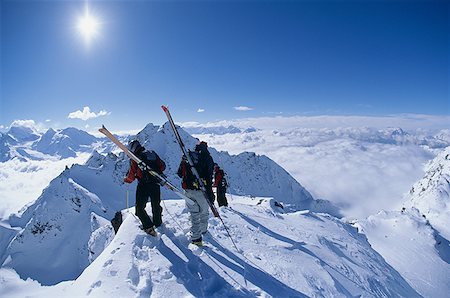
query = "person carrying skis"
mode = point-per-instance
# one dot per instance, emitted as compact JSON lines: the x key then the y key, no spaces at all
{"x":147,"y":187}
{"x":199,"y":212}
{"x":220,"y":183}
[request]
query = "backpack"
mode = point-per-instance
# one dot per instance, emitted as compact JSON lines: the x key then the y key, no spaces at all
{"x":151,"y":159}
{"x":223,"y":182}
{"x":117,"y":221}
{"x":204,"y":163}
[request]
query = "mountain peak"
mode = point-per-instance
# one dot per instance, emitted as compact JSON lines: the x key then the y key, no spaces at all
{"x":23,"y":132}
{"x":430,"y":195}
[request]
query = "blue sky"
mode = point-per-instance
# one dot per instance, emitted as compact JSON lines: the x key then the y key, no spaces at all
{"x":288,"y":58}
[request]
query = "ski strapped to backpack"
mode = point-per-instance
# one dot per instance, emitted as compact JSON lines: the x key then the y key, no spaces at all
{"x":194,"y":171}
{"x":191,"y":163}
{"x":161,"y":180}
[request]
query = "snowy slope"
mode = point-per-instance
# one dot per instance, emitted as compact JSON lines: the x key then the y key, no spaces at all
{"x":53,"y":243}
{"x":431,"y":194}
{"x":280,"y":255}
{"x":410,"y":244}
{"x":297,"y":254}
{"x":414,"y":240}
{"x":73,"y":204}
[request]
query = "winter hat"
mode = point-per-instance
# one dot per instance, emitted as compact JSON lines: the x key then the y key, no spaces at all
{"x":202,"y":146}
{"x":134,"y":146}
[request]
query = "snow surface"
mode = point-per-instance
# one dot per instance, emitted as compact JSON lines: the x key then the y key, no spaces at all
{"x":409,"y":243}
{"x":280,"y":254}
{"x":431,"y":194}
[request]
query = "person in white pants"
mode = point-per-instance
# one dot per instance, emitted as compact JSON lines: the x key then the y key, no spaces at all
{"x":199,"y":212}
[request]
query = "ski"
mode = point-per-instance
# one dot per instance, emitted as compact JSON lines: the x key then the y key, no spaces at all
{"x":191,"y":164}
{"x":161,"y":179}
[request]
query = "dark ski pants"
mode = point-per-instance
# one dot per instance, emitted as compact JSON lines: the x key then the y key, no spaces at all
{"x":209,"y":192}
{"x":143,"y":192}
{"x":221,"y":198}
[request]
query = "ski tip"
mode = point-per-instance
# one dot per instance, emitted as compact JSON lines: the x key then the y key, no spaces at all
{"x":165,"y":109}
{"x":102,"y":128}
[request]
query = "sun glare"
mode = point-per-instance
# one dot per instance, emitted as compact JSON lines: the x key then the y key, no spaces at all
{"x":88,"y":26}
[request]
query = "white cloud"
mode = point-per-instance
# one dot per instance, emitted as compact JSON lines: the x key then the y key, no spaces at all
{"x":405,"y":121}
{"x":86,"y":114}
{"x":48,"y":120}
{"x":339,"y":158}
{"x":31,"y":124}
{"x":243,"y":108}
{"x":200,"y":110}
{"x":23,"y":182}
{"x":24,"y":123}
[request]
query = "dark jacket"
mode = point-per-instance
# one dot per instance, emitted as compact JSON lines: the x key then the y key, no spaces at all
{"x":204,"y":165}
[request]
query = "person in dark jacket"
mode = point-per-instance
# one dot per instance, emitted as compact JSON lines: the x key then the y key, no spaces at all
{"x":147,"y":187}
{"x":199,"y":212}
{"x":220,"y":183}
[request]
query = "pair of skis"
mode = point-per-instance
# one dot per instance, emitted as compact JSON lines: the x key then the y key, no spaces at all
{"x":191,"y":163}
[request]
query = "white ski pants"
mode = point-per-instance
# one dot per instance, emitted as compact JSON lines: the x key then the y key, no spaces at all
{"x":199,"y":213}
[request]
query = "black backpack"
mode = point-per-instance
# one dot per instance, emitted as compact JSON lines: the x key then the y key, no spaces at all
{"x":204,"y":163}
{"x":117,"y":221}
{"x":150,"y":158}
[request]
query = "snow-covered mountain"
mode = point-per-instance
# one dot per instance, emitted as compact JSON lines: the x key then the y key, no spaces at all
{"x":5,"y":142}
{"x":26,"y":143}
{"x":218,"y":130}
{"x":415,"y":239}
{"x":431,"y":194}
{"x":311,"y":136}
{"x":64,"y":143}
{"x":21,"y":133}
{"x":96,"y":189}
{"x":60,"y":222}
{"x":413,"y":247}
{"x":56,"y":226}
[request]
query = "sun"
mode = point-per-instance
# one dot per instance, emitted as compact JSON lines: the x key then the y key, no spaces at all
{"x":88,"y":26}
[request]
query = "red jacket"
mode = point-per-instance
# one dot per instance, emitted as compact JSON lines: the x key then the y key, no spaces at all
{"x":218,"y":175}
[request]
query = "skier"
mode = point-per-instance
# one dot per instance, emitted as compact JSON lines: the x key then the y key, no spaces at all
{"x":199,"y":213}
{"x":221,"y":185}
{"x":147,"y":187}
